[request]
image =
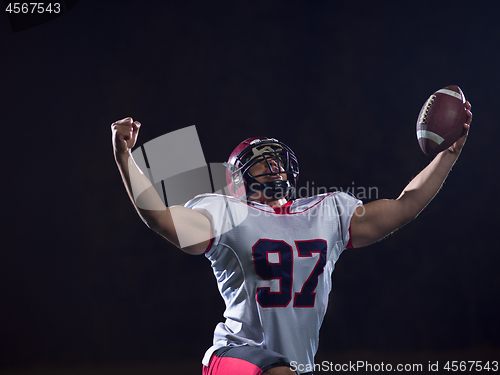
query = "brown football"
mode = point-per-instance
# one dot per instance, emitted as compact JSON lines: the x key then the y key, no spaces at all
{"x":441,"y":120}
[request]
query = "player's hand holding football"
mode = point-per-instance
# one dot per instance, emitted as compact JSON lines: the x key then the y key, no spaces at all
{"x":124,"y":134}
{"x":459,"y":144}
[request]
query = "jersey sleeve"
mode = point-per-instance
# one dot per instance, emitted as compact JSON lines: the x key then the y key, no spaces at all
{"x":346,"y":205}
{"x":209,"y":208}
{"x":221,"y":213}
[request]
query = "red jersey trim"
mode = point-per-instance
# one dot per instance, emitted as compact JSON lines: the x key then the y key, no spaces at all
{"x":349,"y":244}
{"x":211,"y":242}
{"x":283,"y":210}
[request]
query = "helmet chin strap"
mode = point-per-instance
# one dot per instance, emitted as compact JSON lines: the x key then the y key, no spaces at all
{"x":272,"y":189}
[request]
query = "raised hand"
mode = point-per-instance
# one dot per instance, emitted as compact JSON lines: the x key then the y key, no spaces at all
{"x":459,"y":144}
{"x":124,"y":134}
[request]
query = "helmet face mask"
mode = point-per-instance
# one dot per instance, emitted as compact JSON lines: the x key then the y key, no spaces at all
{"x":265,"y":155}
{"x":276,"y":159}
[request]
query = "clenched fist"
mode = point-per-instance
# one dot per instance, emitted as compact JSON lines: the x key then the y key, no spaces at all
{"x":124,"y":134}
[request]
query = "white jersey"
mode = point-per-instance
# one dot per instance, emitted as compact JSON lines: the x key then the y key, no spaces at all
{"x":273,"y":269}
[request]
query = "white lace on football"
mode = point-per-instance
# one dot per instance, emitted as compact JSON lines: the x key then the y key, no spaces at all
{"x":425,"y":110}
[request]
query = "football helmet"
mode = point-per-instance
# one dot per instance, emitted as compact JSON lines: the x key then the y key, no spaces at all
{"x":279,"y":158}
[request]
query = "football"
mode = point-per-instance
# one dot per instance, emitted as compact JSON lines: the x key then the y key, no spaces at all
{"x":441,"y":120}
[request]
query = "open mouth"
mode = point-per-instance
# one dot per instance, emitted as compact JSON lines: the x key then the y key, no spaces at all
{"x":276,"y":176}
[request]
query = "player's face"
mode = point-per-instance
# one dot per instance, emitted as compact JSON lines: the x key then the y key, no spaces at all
{"x":268,"y":164}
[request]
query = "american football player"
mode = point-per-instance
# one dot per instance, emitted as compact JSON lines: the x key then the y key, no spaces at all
{"x":272,"y":255}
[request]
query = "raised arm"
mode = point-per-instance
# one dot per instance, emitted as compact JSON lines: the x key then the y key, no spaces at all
{"x":379,"y":218}
{"x":173,"y":223}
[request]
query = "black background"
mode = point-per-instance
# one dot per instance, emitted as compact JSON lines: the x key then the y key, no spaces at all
{"x":85,"y":284}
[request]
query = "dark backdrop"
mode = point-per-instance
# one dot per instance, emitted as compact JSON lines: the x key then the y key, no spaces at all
{"x":84,"y":282}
